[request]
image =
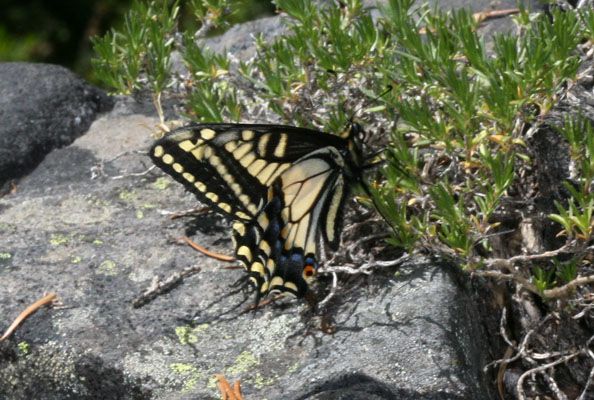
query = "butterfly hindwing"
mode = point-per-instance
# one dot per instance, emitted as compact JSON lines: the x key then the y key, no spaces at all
{"x":313,"y":190}
{"x":283,"y":186}
{"x":302,"y":203}
{"x":260,"y":247}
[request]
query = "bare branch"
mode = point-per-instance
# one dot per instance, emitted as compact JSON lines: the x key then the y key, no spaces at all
{"x":553,"y":385}
{"x":585,"y":391}
{"x":366,"y":268}
{"x":522,"y":349}
{"x":332,"y":291}
{"x":541,"y":368}
{"x":565,"y":289}
{"x":548,"y":293}
{"x":509,"y":262}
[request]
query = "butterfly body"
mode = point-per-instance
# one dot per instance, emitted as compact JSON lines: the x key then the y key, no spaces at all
{"x":282,"y":186}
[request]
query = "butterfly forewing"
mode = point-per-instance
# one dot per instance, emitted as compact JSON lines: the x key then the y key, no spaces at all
{"x":283,"y":186}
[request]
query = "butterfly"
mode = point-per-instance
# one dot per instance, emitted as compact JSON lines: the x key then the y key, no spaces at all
{"x":283,"y":187}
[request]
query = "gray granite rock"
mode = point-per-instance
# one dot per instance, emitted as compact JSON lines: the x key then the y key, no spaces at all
{"x":98,"y":243}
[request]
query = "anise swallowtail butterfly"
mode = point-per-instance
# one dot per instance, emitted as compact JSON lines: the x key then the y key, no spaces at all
{"x":282,"y":186}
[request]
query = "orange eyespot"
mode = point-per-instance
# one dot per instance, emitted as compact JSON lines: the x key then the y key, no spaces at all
{"x":309,"y":271}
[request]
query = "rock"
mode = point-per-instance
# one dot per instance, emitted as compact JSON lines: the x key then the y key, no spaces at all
{"x":42,"y":107}
{"x":99,"y":243}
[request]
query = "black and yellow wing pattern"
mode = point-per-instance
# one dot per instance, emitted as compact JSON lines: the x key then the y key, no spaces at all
{"x":282,"y":186}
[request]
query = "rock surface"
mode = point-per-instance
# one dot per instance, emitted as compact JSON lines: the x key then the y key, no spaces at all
{"x":42,"y":107}
{"x":99,"y":243}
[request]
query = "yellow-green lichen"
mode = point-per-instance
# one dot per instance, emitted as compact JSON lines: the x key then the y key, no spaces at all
{"x":24,"y":347}
{"x":212,"y":382}
{"x":57,"y":239}
{"x":184,"y":334}
{"x":293,"y":368}
{"x":161,"y":183}
{"x":182,"y":368}
{"x":259,"y":381}
{"x":5,"y":256}
{"x":187,"y":369}
{"x":242,"y":363}
{"x":108,"y":267}
{"x":75,"y":259}
{"x":139,"y":214}
{"x":187,"y":334}
{"x":126,"y":195}
{"x":98,"y":202}
{"x":97,"y":241}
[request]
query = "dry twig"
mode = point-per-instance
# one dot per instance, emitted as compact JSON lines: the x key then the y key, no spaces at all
{"x":591,"y":376}
{"x":158,"y":287}
{"x":521,"y":351}
{"x":365,"y":268}
{"x":332,"y":291}
{"x":28,"y":311}
{"x":208,"y":253}
{"x":97,"y":171}
{"x":541,"y":369}
{"x":514,"y":275}
{"x":198,"y":210}
{"x":228,"y":392}
{"x":547,"y":293}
